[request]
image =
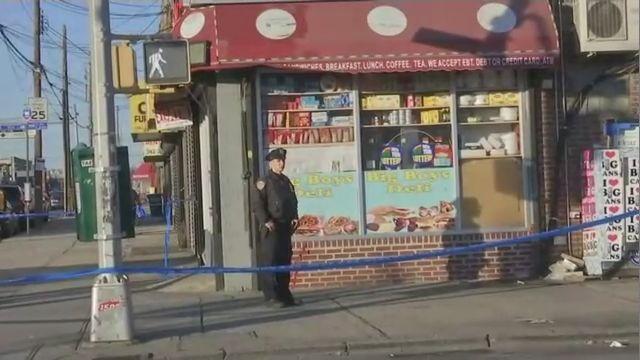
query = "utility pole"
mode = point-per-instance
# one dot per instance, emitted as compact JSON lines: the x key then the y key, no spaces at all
{"x":117,"y":125}
{"x":75,"y":121}
{"x":66,"y":138}
{"x":90,"y":98}
{"x":37,"y":92}
{"x":110,"y":291}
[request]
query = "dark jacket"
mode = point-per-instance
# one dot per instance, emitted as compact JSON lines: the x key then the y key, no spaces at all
{"x":274,"y":199}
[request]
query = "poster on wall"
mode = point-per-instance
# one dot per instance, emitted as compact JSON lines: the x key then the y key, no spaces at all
{"x":410,"y":200}
{"x":590,"y":249}
{"x":632,"y":192}
{"x":327,"y":203}
{"x":327,"y":159}
{"x":610,"y":202}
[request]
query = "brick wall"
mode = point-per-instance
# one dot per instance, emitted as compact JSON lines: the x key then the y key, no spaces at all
{"x":505,"y":263}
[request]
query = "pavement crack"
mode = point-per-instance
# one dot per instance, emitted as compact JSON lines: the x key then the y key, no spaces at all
{"x":34,"y":351}
{"x":82,"y":333}
{"x":361,"y":319}
{"x":200,"y":307}
{"x":179,"y":344}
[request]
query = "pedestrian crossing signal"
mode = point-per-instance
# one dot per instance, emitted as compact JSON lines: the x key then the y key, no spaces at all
{"x":166,"y":62}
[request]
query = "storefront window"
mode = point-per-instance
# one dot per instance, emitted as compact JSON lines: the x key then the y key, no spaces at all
{"x":312,"y":116}
{"x":407,"y":152}
{"x":489,"y":123}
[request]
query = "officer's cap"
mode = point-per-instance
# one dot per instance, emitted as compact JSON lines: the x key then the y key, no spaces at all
{"x":277,"y":154}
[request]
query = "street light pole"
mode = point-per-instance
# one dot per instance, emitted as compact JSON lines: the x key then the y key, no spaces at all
{"x":111,"y":318}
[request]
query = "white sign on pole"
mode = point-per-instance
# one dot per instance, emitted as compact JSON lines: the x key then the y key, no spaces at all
{"x":39,"y":109}
{"x":27,"y":192}
{"x":17,"y":134}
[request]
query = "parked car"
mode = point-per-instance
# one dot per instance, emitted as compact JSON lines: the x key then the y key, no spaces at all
{"x":15,"y":196}
{"x":9,"y":226}
{"x":56,"y":201}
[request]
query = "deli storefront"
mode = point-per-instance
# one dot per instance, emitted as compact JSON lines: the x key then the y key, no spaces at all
{"x":410,"y":125}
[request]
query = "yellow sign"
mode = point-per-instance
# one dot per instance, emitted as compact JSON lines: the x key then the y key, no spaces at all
{"x":143,"y":117}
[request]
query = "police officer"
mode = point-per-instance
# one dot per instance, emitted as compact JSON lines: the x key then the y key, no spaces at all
{"x":275,"y":206}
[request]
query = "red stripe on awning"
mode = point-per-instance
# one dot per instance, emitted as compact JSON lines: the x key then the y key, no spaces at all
{"x":344,"y":36}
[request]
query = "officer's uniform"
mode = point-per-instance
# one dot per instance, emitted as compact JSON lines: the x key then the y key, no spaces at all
{"x":274,"y":199}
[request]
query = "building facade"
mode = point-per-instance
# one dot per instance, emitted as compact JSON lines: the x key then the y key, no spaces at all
{"x":407,"y":130}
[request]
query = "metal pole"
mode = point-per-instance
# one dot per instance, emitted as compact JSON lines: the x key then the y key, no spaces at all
{"x":117,"y":125}
{"x":66,"y":137}
{"x":111,"y":318}
{"x":75,"y":121}
{"x":37,"y":92}
{"x":27,"y":189}
{"x":90,"y":81}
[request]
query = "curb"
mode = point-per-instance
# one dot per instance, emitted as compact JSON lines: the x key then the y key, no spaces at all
{"x":396,"y":347}
{"x":450,"y":345}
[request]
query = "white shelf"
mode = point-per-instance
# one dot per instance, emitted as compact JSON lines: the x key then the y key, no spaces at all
{"x":409,"y":108}
{"x":406,"y":92}
{"x":489,"y":157}
{"x":271,"y":146}
{"x":486,"y":106}
{"x":487,"y":90}
{"x":489,"y":123}
{"x":308,"y":110}
{"x":310,"y":127}
{"x":406,"y":125}
{"x":311,"y":93}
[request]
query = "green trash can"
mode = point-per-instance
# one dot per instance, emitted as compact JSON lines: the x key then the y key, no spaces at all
{"x":85,"y":187}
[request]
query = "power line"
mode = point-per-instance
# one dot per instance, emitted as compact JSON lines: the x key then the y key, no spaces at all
{"x":81,"y":10}
{"x":145,"y":8}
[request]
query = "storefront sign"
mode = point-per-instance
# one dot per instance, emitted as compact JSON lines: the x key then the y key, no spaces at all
{"x":152,"y":148}
{"x":610,"y":202}
{"x":143,"y":119}
{"x":431,"y":64}
{"x":410,"y":200}
{"x":327,"y":203}
{"x":173,"y":116}
{"x":632,"y":192}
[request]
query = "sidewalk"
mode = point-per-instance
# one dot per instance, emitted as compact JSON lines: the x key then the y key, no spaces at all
{"x":50,"y":321}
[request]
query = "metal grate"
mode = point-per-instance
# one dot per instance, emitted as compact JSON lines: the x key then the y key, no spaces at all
{"x":189,"y":185}
{"x":606,"y":19}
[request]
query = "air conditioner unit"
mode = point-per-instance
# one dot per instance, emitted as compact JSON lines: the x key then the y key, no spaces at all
{"x":607,"y":25}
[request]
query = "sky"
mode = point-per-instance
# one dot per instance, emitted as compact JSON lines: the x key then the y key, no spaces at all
{"x":16,"y":79}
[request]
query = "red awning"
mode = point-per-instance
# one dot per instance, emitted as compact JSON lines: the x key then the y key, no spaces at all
{"x":375,"y":35}
{"x":144,"y":171}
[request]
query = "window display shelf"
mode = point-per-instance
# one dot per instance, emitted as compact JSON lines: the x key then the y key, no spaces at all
{"x":490,"y":157}
{"x":408,"y":108}
{"x":405,"y":125}
{"x":310,"y":127}
{"x":404,"y":92}
{"x":308,"y":110}
{"x":486,"y":106}
{"x":484,"y":89}
{"x":271,"y":146}
{"x":310,"y":93}
{"x":489,"y":123}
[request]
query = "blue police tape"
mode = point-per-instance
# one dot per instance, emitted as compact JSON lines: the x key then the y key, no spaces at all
{"x":50,"y":215}
{"x":167,"y":233}
{"x":316,"y":266}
